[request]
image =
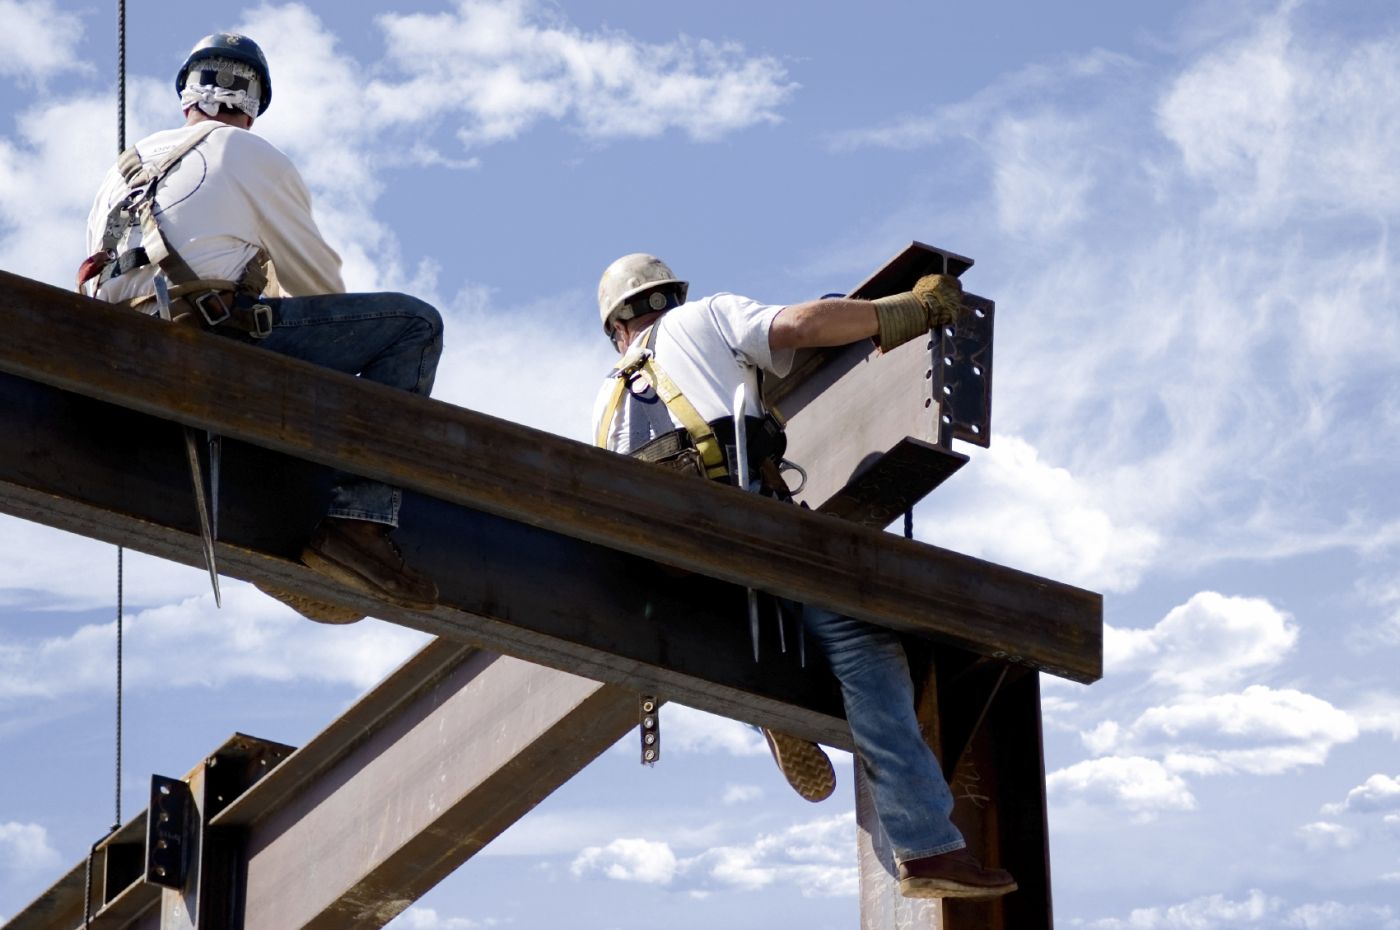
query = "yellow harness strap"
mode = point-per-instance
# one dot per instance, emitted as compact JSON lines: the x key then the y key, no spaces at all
{"x":677,"y":404}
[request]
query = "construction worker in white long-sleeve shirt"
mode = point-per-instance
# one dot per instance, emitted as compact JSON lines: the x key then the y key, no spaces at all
{"x":217,"y":222}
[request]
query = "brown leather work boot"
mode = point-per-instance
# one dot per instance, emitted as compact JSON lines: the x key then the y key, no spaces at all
{"x":955,"y":874}
{"x":361,"y":554}
{"x":310,"y":608}
{"x":803,"y":764}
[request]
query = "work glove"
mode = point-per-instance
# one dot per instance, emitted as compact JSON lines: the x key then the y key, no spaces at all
{"x":935,"y":300}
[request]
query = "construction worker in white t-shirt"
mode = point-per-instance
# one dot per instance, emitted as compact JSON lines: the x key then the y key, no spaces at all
{"x":211,"y":225}
{"x":671,"y":400}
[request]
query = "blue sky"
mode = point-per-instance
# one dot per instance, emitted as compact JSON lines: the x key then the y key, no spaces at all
{"x":1183,"y":212}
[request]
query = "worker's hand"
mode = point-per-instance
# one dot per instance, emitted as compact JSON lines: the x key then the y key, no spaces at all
{"x":936,"y":300}
{"x":941,"y":296}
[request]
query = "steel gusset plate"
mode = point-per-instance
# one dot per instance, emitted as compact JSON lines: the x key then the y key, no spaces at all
{"x":965,"y":354}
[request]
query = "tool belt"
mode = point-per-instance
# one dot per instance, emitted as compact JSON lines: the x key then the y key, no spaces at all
{"x":677,"y":451}
{"x":214,"y":305}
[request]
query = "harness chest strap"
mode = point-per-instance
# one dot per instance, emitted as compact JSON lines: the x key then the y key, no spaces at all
{"x":677,"y":404}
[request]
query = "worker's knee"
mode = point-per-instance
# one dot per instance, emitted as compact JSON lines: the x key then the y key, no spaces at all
{"x":423,"y":313}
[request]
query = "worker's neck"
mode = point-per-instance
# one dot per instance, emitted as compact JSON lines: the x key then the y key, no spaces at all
{"x":196,"y":115}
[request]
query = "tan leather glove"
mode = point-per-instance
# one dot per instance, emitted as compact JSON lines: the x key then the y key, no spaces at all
{"x":935,"y":300}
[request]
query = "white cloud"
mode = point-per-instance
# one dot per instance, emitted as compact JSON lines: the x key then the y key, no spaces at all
{"x":1210,"y":641}
{"x":192,"y":643}
{"x":1259,"y":731}
{"x":1285,"y":118}
{"x":741,"y":794}
{"x":1377,"y":793}
{"x":1324,"y":836}
{"x":685,"y":729}
{"x":1133,"y":783}
{"x":1334,"y":915}
{"x":629,"y":860}
{"x":1256,"y":911}
{"x":427,"y":918}
{"x":816,"y":857}
{"x":24,"y":847}
{"x":39,"y":40}
{"x":1015,"y":508}
{"x":502,"y":67}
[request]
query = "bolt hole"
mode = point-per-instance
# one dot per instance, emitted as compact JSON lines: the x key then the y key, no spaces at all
{"x":979,"y":312}
{"x":976,"y":430}
{"x":928,"y":402}
{"x":948,"y":331}
{"x":977,"y":370}
{"x":947,"y":418}
{"x":160,"y":871}
{"x":947,"y":390}
{"x":948,"y":361}
{"x":165,"y":790}
{"x":928,"y":375}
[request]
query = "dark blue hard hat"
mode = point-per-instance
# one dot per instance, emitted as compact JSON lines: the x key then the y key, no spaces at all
{"x":232,"y":46}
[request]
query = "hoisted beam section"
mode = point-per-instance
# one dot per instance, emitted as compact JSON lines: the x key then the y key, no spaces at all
{"x":584,"y":503}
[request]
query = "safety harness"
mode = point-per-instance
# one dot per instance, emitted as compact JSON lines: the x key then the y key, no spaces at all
{"x":217,"y":302}
{"x":698,"y":445}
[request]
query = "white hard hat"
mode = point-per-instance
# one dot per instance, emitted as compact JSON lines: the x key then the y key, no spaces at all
{"x":627,"y":277}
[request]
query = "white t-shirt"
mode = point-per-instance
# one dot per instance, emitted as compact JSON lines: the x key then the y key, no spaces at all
{"x":233,"y":194}
{"x":708,"y":347}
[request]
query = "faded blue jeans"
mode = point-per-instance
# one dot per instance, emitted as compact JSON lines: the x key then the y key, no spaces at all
{"x":911,"y":795}
{"x":390,"y":338}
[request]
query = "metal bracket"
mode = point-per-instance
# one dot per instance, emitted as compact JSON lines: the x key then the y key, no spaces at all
{"x":171,"y":829}
{"x":649,"y":718}
{"x":964,"y":358}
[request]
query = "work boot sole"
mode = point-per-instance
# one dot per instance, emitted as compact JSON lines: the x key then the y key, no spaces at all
{"x":348,"y":576}
{"x":947,"y":888}
{"x":803,"y":764}
{"x":310,"y":608}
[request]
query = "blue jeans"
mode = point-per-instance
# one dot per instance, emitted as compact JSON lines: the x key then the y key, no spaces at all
{"x":393,"y":339}
{"x":910,"y":793}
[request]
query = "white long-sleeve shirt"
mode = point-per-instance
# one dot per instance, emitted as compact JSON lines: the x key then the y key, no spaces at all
{"x":232,"y":195}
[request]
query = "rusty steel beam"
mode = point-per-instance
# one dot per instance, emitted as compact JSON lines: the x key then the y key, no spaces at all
{"x":425,"y":769}
{"x":118,"y":476}
{"x":984,"y":724}
{"x":539,"y":480}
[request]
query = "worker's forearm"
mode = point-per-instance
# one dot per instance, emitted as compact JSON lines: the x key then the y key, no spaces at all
{"x":835,"y":322}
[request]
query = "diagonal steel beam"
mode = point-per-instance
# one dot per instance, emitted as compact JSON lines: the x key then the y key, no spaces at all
{"x":346,"y":832}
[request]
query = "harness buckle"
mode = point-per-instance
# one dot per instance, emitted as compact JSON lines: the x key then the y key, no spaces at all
{"x":210,"y":320}
{"x":262,"y":321}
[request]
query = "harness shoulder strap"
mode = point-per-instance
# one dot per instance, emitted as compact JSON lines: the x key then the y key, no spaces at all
{"x":158,"y":248}
{"x":702,"y":435}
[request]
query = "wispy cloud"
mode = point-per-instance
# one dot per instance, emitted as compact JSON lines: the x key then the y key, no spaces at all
{"x":193,"y":644}
{"x":1255,"y":911}
{"x":501,"y":67}
{"x":24,"y":847}
{"x":39,"y":40}
{"x":814,"y":857}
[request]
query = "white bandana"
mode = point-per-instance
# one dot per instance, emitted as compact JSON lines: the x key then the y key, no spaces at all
{"x":209,"y":97}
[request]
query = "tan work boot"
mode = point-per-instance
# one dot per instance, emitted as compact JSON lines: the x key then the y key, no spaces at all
{"x":361,"y":554}
{"x":955,"y":874}
{"x":803,"y":764}
{"x":310,"y":608}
